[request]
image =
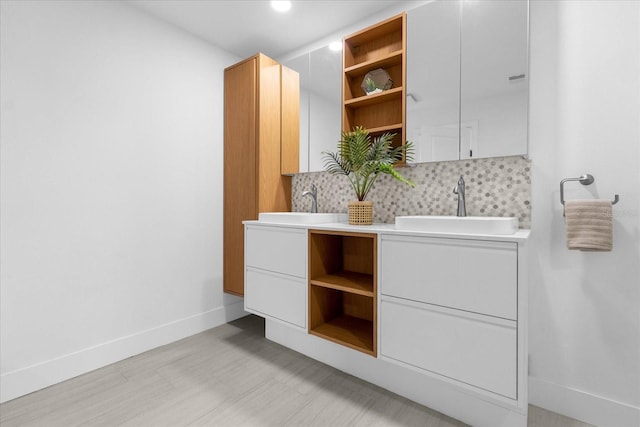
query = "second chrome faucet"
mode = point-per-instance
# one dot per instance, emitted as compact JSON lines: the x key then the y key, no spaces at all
{"x":314,"y":198}
{"x":459,"y":190}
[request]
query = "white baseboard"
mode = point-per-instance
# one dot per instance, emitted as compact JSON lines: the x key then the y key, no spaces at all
{"x":27,"y":380}
{"x":586,"y":407}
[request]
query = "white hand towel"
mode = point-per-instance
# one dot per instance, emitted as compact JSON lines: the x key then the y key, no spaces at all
{"x":589,"y":225}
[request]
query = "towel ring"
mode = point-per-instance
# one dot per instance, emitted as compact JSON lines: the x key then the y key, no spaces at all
{"x":586,"y":179}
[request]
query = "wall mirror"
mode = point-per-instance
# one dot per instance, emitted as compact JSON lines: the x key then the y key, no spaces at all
{"x":467,"y":84}
{"x":467,"y":79}
{"x":301,"y":65}
{"x":320,"y":104}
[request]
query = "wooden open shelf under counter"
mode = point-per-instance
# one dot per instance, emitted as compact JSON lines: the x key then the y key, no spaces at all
{"x":348,"y":281}
{"x":343,"y":288}
{"x":348,"y":331}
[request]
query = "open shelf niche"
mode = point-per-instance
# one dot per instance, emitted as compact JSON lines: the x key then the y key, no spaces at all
{"x":382,"y":45}
{"x":343,"y":287}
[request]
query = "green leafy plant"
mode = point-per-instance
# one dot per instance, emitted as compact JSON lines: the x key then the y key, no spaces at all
{"x":370,"y":85}
{"x":362,"y":159}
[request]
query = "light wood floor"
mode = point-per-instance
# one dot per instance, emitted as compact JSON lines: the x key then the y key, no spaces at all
{"x":226,"y":376}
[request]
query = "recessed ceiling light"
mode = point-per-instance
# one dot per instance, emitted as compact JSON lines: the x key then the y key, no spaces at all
{"x":281,"y":6}
{"x":336,"y":46}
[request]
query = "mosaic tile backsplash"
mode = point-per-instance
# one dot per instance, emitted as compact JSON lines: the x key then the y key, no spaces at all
{"x":498,"y":186}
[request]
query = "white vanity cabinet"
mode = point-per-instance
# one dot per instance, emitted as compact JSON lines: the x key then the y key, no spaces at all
{"x":275,"y":273}
{"x":440,"y":318}
{"x":449,"y":307}
{"x":473,"y":275}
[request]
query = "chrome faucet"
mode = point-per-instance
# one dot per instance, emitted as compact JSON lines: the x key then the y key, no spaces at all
{"x":314,"y":198}
{"x":459,"y":190}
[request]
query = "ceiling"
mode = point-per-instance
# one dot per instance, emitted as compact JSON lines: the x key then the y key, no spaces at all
{"x":245,"y":27}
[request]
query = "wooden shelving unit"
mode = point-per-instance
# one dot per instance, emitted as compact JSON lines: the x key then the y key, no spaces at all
{"x":342,"y":288}
{"x":380,"y":46}
{"x":348,"y":281}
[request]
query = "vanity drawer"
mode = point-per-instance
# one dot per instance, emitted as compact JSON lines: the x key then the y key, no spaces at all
{"x":276,"y":296}
{"x":277,"y":249}
{"x":474,"y":349}
{"x":474,"y":275}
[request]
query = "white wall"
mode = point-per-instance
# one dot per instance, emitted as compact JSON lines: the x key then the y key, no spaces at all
{"x":111,"y":196}
{"x":111,"y":188}
{"x":585,"y":118}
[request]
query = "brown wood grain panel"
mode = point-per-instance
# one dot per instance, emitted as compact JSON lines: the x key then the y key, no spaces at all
{"x":375,"y":296}
{"x":394,"y":58}
{"x":324,"y":254}
{"x":349,"y":331}
{"x":375,"y":40}
{"x":348,"y":281}
{"x":355,"y":81}
{"x":383,"y":46}
{"x":357,"y":254}
{"x":324,"y":304}
{"x":383,"y":114}
{"x":343,"y":287}
{"x":393,"y":94}
{"x":358,"y":306}
{"x":271,"y":195}
{"x":240,"y":189}
{"x":252,"y":173}
{"x":380,"y":45}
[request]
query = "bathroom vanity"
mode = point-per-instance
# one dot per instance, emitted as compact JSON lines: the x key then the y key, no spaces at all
{"x":437,"y":317}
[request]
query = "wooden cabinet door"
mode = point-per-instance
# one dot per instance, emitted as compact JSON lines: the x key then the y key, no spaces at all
{"x":240,"y":167}
{"x":253,"y":180}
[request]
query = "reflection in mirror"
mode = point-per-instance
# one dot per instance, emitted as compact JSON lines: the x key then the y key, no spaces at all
{"x":494,"y":80}
{"x":301,"y":65}
{"x":467,"y":83}
{"x":433,"y":80}
{"x":320,"y":104}
{"x":325,"y":68}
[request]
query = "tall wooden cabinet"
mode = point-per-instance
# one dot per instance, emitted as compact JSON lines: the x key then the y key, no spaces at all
{"x":382,"y":45}
{"x":261,"y":122}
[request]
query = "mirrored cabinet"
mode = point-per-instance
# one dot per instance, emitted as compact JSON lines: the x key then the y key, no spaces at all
{"x":433,"y":80}
{"x":325,"y":68}
{"x":467,"y":79}
{"x":494,"y":78}
{"x":466,"y":85}
{"x":320,"y":102}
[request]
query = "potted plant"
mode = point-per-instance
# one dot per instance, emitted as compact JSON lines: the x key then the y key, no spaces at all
{"x":362,"y":159}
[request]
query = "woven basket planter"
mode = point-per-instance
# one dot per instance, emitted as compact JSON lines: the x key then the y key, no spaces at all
{"x":360,"y":213}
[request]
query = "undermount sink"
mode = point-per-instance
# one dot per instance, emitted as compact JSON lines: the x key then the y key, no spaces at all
{"x":455,"y":224}
{"x":302,"y":217}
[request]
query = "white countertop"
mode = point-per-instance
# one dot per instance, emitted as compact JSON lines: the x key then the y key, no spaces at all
{"x":383,"y":228}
